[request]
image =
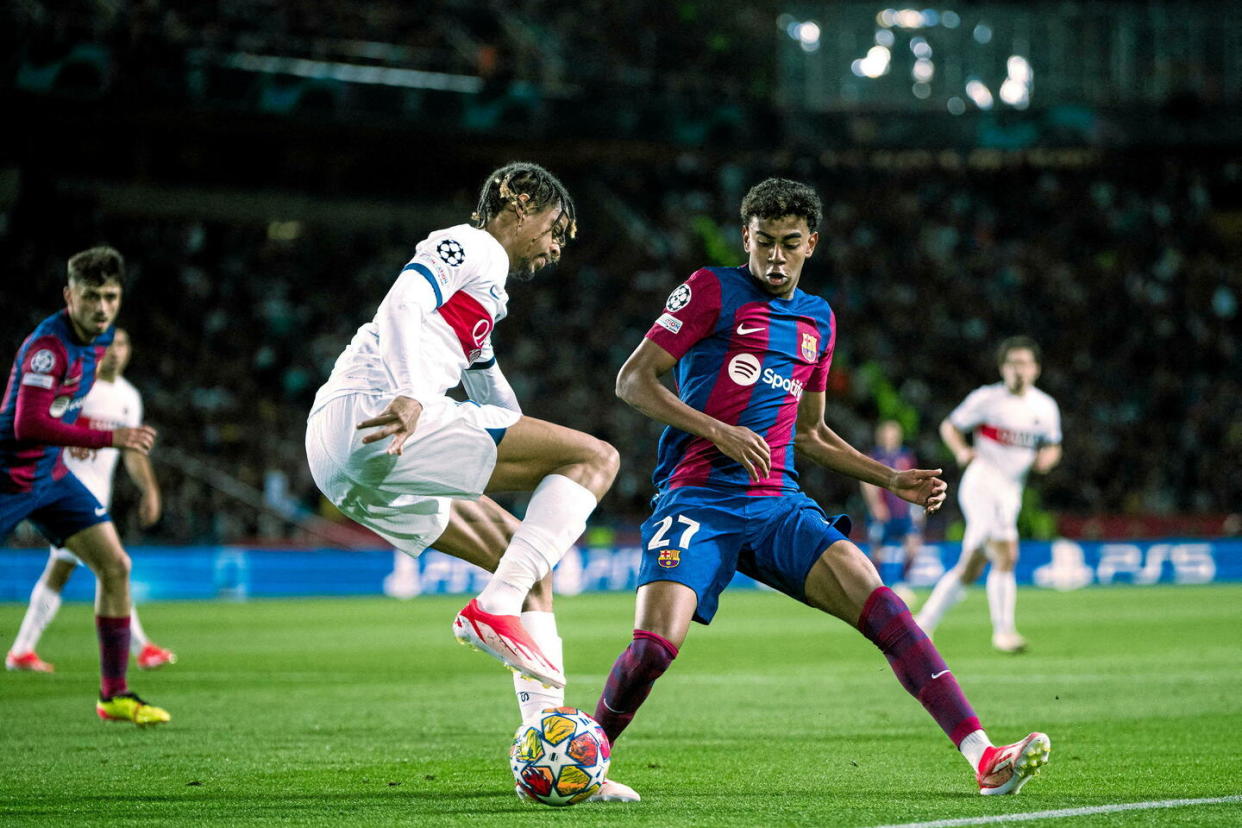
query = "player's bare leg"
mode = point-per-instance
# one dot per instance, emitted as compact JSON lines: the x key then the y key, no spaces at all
{"x":1002,"y":588}
{"x":951,"y":588}
{"x":44,"y":604}
{"x":845,"y":584}
{"x":100,"y":549}
{"x":568,"y":472}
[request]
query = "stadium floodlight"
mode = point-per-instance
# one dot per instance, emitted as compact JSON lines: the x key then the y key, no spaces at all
{"x":923,"y":71}
{"x":983,"y":33}
{"x":808,"y":35}
{"x":978,"y":92}
{"x":876,"y":62}
{"x":1019,"y":69}
{"x":1015,"y":94}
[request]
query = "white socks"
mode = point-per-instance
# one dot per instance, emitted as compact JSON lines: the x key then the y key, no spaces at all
{"x":531,"y":695}
{"x":137,"y":635}
{"x":1002,"y":598}
{"x":555,"y":518}
{"x":949,"y":591}
{"x":44,"y":603}
{"x":973,"y":746}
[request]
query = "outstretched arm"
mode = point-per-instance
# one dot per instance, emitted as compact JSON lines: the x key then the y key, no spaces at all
{"x":638,"y":383}
{"x":821,"y":445}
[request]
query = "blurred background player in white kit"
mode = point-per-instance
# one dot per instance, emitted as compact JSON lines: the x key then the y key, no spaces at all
{"x":393,"y":453}
{"x":113,"y":402}
{"x":895,"y":527}
{"x":1016,"y":428}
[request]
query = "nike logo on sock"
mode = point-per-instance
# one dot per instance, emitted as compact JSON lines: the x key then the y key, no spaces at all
{"x":941,"y":673}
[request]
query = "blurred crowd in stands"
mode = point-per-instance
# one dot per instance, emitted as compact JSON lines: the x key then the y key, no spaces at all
{"x":1126,"y":265}
{"x":1125,"y":275}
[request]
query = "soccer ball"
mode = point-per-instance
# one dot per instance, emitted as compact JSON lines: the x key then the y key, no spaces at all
{"x":559,"y":757}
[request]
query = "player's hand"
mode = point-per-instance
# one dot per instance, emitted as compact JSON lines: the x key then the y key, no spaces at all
{"x":139,"y":439}
{"x":922,"y":487}
{"x":148,"y":509}
{"x":396,"y":421}
{"x":747,"y":448}
{"x":82,"y":453}
{"x":964,"y":457}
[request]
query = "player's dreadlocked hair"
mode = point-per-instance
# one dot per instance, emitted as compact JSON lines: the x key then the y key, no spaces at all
{"x":507,"y":183}
{"x":96,"y":266}
{"x":1015,"y":342}
{"x":775,"y":198}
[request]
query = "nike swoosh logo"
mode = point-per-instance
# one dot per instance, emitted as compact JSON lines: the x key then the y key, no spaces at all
{"x":101,"y":511}
{"x":941,"y":673}
{"x":742,"y":329}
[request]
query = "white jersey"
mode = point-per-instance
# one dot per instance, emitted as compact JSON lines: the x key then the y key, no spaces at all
{"x":108,"y":405}
{"x":1009,"y":429}
{"x":436,"y":321}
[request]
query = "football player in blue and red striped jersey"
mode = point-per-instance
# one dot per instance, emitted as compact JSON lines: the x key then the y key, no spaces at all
{"x":751,"y":353}
{"x":53,"y":371}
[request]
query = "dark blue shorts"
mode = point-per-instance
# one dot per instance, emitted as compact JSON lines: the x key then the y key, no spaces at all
{"x":59,"y":510}
{"x":700,"y":537}
{"x":886,"y":532}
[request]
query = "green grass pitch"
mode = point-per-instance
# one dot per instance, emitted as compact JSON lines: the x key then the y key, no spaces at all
{"x":365,"y":712}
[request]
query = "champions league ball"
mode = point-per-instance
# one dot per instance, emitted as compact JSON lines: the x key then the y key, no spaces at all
{"x":559,"y":757}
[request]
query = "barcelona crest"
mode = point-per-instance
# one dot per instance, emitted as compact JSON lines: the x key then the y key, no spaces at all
{"x":669,"y":558}
{"x":810,"y":346}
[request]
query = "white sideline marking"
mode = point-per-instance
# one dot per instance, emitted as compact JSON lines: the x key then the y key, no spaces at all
{"x":1066,"y":812}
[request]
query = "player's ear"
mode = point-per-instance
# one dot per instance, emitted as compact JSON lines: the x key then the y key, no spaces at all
{"x":811,"y":241}
{"x":66,"y":292}
{"x":746,"y":237}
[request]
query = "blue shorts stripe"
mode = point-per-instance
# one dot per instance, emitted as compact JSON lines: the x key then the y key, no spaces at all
{"x":431,"y":279}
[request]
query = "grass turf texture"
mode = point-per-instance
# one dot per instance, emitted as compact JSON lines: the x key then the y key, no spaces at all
{"x":364,"y":711}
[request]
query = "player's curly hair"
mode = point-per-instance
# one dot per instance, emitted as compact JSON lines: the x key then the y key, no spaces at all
{"x":515,"y":178}
{"x":775,"y":198}
{"x":1015,"y":342}
{"x":97,"y":266}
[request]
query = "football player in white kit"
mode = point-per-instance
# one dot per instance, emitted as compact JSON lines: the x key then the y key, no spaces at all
{"x":394,"y":453}
{"x":113,"y":402}
{"x":1016,"y":428}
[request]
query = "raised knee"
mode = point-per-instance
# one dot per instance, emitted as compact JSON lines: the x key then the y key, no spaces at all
{"x":609,"y":458}
{"x":605,"y":458}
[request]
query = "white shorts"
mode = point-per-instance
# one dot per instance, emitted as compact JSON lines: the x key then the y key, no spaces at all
{"x":990,"y":503}
{"x":404,"y":498}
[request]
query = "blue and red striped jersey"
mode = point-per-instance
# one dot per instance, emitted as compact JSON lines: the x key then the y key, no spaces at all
{"x":744,"y":357}
{"x":54,"y":366}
